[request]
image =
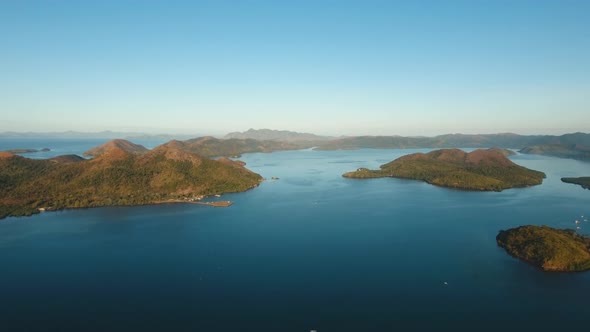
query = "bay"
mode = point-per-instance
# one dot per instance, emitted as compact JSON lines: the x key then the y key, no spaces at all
{"x":310,"y":251}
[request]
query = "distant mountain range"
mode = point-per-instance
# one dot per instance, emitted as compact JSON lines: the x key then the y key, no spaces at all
{"x":507,"y":140}
{"x":574,"y":145}
{"x":276,"y":135}
{"x":102,"y":134}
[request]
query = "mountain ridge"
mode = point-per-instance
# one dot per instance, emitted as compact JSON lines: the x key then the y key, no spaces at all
{"x":276,"y":135}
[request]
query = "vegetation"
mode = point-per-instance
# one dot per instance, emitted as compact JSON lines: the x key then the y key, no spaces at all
{"x":485,"y":170}
{"x":548,"y":248}
{"x":116,"y":144}
{"x":213,"y":147}
{"x":276,"y":135}
{"x":573,"y":151}
{"x":507,"y":140}
{"x":115,"y":177}
{"x":582,"y":181}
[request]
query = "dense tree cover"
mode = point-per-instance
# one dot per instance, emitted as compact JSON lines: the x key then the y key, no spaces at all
{"x":583,"y":181}
{"x":115,"y":178}
{"x":486,"y":170}
{"x":548,"y":248}
{"x":213,"y":147}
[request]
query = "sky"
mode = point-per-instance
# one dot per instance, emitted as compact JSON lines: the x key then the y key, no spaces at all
{"x":326,"y":67}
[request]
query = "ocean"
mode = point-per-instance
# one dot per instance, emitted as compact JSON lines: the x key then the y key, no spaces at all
{"x":309,"y":251}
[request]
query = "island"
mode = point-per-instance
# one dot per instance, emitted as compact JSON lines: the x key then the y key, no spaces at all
{"x":23,"y":151}
{"x":120,"y":173}
{"x":583,"y":181}
{"x":547,"y":248}
{"x":233,"y":147}
{"x":480,"y":170}
{"x":504,"y":140}
{"x":572,"y":151}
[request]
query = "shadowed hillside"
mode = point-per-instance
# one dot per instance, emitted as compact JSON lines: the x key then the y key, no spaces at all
{"x":583,"y":181}
{"x":573,"y":151}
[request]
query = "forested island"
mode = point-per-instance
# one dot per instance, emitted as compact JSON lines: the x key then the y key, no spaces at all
{"x":572,"y":151}
{"x":233,"y":147}
{"x":548,"y":248}
{"x":482,"y":170}
{"x":583,"y":181}
{"x":121,"y":173}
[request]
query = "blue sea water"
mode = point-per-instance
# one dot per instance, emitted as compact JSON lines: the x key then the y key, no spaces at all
{"x":310,"y":251}
{"x":61,"y":146}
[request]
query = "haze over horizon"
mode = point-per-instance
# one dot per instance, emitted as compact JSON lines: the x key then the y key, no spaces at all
{"x":323,"y":67}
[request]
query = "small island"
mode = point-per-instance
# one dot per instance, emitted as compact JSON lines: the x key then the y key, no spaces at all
{"x":550,"y":249}
{"x":583,"y":181}
{"x":480,"y":170}
{"x":120,"y":173}
{"x":23,"y":151}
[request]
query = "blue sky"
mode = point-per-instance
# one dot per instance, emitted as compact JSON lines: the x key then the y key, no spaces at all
{"x":329,"y":67}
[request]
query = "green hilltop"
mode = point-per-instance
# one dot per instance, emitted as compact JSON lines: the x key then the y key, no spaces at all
{"x":482,"y":170}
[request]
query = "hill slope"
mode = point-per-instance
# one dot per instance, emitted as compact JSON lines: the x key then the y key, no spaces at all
{"x":213,"y":147}
{"x":548,"y":248}
{"x":275,"y":135}
{"x":115,"y":177}
{"x":116,"y":146}
{"x":484,"y":170}
{"x":573,"y":151}
{"x":506,"y":140}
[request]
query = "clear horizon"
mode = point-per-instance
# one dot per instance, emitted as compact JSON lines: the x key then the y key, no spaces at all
{"x":323,"y":67}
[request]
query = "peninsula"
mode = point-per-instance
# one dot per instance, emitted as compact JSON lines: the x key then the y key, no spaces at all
{"x":548,"y":248}
{"x":481,"y":170}
{"x":572,"y":151}
{"x":121,"y":173}
{"x":583,"y":181}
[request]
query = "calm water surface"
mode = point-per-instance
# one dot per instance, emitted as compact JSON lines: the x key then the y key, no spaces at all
{"x":311,"y":250}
